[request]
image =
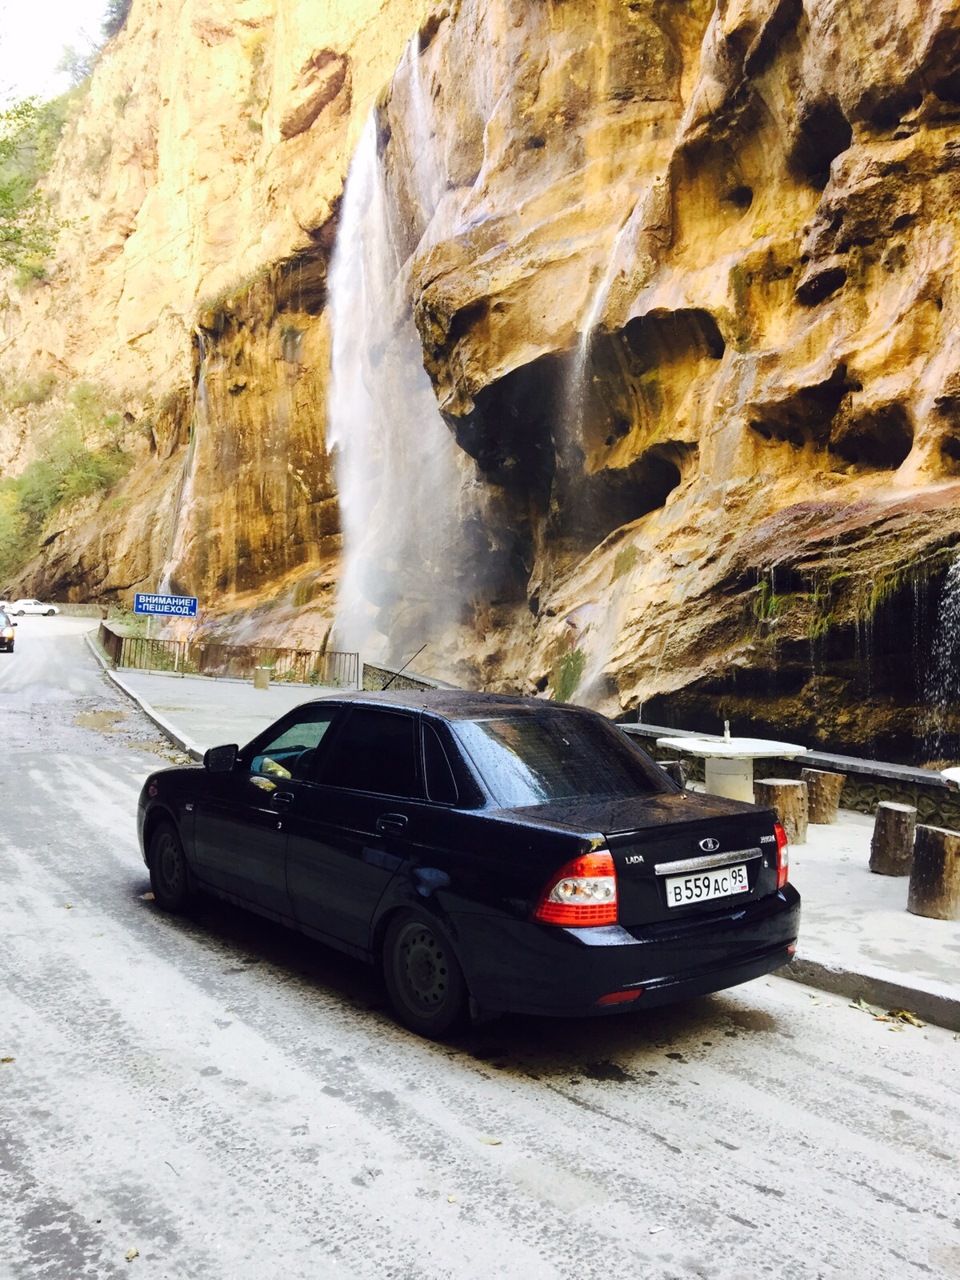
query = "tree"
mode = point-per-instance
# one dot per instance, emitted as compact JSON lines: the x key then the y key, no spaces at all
{"x":29,"y":132}
{"x":117,"y":13}
{"x":78,"y":64}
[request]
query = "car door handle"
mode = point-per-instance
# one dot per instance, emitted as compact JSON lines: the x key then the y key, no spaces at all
{"x":282,"y":799}
{"x":391,"y":824}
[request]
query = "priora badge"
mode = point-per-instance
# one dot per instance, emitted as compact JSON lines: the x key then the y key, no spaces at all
{"x":709,"y":845}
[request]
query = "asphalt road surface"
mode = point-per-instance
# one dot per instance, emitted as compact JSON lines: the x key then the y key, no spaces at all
{"x":231,"y":1101}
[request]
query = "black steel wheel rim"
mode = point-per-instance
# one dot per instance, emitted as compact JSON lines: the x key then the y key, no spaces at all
{"x":423,"y":971}
{"x":169,"y":864}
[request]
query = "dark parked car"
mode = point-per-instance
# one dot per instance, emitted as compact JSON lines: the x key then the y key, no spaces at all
{"x":7,"y":633}
{"x":491,"y":853}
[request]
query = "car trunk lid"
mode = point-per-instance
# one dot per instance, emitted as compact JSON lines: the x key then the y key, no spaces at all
{"x":679,"y":854}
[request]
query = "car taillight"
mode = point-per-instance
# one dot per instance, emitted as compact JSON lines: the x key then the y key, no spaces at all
{"x":584,"y":892}
{"x":783,"y":855}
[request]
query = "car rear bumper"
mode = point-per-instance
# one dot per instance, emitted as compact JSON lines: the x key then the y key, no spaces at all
{"x":536,"y":969}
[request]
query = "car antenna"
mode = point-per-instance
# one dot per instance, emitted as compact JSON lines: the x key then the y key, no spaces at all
{"x":402,"y":669}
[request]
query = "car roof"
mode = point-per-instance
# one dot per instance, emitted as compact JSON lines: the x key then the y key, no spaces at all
{"x":455,"y":704}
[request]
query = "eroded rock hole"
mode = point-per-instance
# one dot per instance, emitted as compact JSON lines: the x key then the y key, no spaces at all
{"x":609,"y":499}
{"x":510,"y":431}
{"x":662,"y":336}
{"x":820,"y":285}
{"x":740,"y":197}
{"x":823,"y":133}
{"x":887,"y":113}
{"x":879,"y":439}
{"x":806,"y":416}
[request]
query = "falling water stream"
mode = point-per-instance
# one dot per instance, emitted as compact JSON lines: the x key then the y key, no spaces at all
{"x":942,"y":684}
{"x":396,"y":463}
{"x":597,"y":629}
{"x":183,"y":505}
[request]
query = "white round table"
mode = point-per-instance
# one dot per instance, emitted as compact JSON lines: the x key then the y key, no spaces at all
{"x":728,"y":762}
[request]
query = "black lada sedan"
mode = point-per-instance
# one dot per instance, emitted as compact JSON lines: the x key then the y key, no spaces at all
{"x":491,"y":853}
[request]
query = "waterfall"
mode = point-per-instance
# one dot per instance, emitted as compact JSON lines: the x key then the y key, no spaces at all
{"x":396,"y":462}
{"x":183,"y":505}
{"x":601,"y":628}
{"x":942,"y":684}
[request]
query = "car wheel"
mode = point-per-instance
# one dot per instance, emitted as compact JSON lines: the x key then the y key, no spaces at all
{"x":424,"y":981}
{"x":50,"y":613}
{"x":170,"y":877}
{"x":19,"y":613}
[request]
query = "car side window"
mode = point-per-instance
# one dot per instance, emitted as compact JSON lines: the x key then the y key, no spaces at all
{"x":375,"y":751}
{"x":292,"y":752}
{"x":441,"y":785}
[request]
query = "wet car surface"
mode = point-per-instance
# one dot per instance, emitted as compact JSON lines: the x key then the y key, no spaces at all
{"x":492,"y":854}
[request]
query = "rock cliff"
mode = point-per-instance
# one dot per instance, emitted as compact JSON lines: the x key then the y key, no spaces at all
{"x":683,"y":284}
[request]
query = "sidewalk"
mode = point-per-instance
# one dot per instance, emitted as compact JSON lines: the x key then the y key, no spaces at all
{"x":197,"y":712}
{"x":856,"y":937}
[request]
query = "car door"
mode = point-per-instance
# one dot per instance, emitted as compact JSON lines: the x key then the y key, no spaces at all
{"x":240,"y":818}
{"x":354,"y":829}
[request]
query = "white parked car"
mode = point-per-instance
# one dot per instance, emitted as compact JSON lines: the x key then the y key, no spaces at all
{"x":19,"y":607}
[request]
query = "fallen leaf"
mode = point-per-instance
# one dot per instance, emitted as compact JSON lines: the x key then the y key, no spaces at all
{"x":861,"y":1006}
{"x":131,"y":1254}
{"x":451,"y":1199}
{"x":896,"y":1026}
{"x":146,"y":897}
{"x":905,"y":1015}
{"x":489,"y":1140}
{"x":6,"y":1059}
{"x":68,"y":905}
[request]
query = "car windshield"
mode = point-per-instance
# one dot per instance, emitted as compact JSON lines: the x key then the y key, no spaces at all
{"x":535,"y":758}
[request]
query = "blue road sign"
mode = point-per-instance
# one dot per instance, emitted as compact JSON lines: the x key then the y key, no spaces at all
{"x":175,"y":606}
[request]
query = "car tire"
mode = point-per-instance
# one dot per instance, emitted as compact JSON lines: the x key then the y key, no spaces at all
{"x":50,"y":612}
{"x":423,"y":979}
{"x":19,"y":613}
{"x":170,"y":877}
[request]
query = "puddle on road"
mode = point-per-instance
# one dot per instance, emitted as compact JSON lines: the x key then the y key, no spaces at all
{"x":105,"y":721}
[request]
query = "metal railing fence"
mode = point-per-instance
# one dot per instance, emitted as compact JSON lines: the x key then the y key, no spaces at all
{"x":208,"y":658}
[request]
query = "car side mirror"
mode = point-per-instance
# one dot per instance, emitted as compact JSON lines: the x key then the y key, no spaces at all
{"x":220,"y":759}
{"x":676,"y":770}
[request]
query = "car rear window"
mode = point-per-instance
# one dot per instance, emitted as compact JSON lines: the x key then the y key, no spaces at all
{"x":546,"y":756}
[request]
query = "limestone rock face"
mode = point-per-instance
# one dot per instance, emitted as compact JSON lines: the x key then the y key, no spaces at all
{"x":684,"y":288}
{"x":691,"y":306}
{"x":198,"y":184}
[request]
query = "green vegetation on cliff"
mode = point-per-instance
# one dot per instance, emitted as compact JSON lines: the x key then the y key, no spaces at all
{"x":29,"y":133}
{"x":79,"y":453}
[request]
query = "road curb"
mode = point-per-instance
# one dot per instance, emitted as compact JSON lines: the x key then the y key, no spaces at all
{"x":181,"y":740}
{"x":885,"y":988}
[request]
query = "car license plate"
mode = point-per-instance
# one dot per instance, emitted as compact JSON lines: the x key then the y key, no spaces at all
{"x":724,"y":882}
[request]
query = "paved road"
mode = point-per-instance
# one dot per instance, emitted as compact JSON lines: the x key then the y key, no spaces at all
{"x":232,"y":1101}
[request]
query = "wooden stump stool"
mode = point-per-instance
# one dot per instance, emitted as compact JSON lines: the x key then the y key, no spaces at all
{"x":823,"y":793}
{"x":935,"y":878}
{"x":788,"y":797}
{"x":891,"y":846}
